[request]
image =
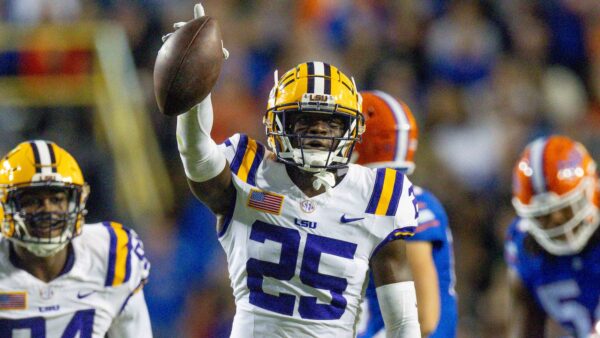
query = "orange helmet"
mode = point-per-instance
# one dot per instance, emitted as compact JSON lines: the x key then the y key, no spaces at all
{"x":553,"y":174}
{"x":40,"y":165}
{"x":391,"y":132}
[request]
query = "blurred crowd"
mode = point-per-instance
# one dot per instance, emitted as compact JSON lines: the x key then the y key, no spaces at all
{"x":482,"y":77}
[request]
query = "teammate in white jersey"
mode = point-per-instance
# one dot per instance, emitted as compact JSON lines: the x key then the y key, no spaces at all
{"x":302,"y":227}
{"x":59,"y":277}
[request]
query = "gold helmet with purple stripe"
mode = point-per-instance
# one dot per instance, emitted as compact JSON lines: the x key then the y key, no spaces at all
{"x":314,"y":89}
{"x":33,"y":166}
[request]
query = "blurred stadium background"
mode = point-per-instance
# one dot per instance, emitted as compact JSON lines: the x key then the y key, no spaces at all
{"x":482,"y":77}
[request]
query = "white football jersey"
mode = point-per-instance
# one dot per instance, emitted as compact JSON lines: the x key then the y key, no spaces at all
{"x":298,"y":265}
{"x":98,"y":293}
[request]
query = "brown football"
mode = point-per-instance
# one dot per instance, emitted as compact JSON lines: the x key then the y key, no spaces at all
{"x":188,"y":65}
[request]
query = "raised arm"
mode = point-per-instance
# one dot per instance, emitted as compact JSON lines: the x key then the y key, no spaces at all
{"x":205,"y":165}
{"x":396,"y":295}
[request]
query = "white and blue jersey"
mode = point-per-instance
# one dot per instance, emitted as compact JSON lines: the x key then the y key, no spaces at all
{"x":567,"y":287}
{"x":298,"y":265}
{"x":97,"y":295}
{"x":433,"y":227}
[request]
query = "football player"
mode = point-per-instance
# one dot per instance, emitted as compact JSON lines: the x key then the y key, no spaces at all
{"x":390,"y":141}
{"x":301,"y":227}
{"x":59,"y":277}
{"x":553,"y":246}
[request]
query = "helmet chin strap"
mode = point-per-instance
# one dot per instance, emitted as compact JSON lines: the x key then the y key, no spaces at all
{"x":39,"y":249}
{"x":324,"y":178}
{"x":42,"y":250}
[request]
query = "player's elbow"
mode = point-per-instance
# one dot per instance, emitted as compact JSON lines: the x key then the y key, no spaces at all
{"x":427,"y":327}
{"x":429,"y":312}
{"x":428,"y":322}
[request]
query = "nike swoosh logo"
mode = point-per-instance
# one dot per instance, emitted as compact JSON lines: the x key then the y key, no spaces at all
{"x":343,"y":219}
{"x":81,"y":295}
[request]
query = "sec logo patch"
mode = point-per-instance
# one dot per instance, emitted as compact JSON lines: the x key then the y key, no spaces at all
{"x":307,"y":206}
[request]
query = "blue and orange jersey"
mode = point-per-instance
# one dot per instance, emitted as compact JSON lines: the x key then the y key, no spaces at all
{"x":565,"y":287}
{"x":433,"y":227}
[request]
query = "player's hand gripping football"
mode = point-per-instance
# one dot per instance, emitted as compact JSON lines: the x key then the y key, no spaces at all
{"x":188,"y":64}
{"x":198,"y":12}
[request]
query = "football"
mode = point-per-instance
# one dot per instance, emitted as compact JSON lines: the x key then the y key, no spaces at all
{"x":188,"y":65}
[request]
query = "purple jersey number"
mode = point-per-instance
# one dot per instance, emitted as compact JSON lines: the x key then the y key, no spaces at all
{"x":81,"y":325}
{"x":309,"y":275}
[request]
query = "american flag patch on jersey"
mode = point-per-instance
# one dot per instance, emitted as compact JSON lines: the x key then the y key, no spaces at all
{"x":265,"y":201}
{"x":13,"y":300}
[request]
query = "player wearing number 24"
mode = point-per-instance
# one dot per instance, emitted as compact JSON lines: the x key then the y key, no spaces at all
{"x":301,"y":227}
{"x":59,"y":277}
{"x":553,"y":247}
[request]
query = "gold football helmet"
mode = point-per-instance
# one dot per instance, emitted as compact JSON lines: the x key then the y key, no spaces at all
{"x":33,"y":166}
{"x":317,"y":90}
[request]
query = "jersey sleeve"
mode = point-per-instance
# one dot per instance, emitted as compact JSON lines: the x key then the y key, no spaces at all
{"x":229,"y":147}
{"x":432,"y":220}
{"x":394,"y":205}
{"x":244,"y":155}
{"x":407,"y":212}
{"x":133,"y":320}
{"x":127,"y":263}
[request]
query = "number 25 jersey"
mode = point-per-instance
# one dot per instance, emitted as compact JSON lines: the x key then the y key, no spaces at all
{"x":298,"y":265}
